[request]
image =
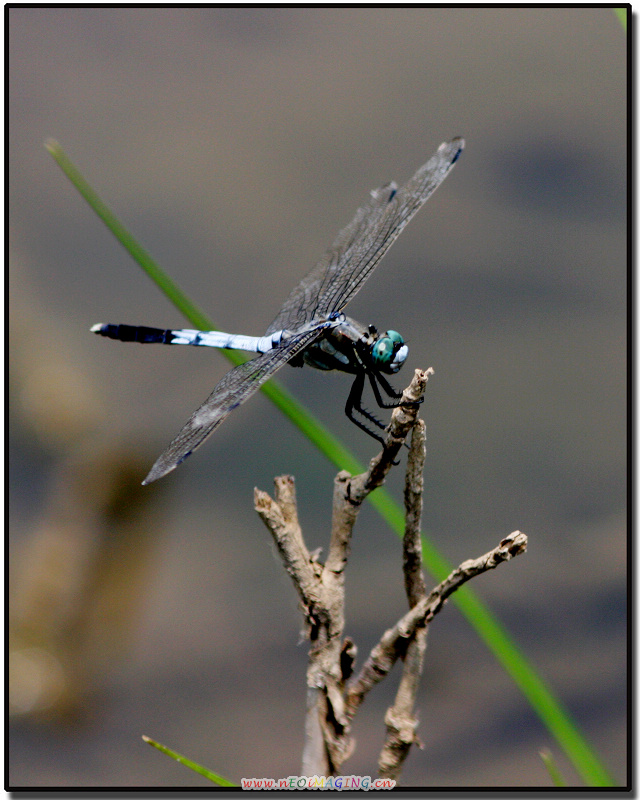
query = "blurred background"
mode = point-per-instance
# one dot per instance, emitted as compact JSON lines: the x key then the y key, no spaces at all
{"x":235,"y":143}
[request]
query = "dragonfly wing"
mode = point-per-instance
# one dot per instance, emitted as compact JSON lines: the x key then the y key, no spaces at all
{"x":385,"y":226}
{"x":358,"y":248}
{"x":302,"y":304}
{"x":235,"y":388}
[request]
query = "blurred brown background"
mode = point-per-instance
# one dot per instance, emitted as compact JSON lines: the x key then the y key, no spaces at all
{"x":235,"y":143}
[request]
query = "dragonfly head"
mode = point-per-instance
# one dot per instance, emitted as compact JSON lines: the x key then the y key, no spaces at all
{"x":389,"y":352}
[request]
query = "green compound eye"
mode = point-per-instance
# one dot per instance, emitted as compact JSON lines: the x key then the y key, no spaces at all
{"x":395,"y":337}
{"x":385,"y":348}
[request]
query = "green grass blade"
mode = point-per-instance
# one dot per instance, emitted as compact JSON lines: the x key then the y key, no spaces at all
{"x":549,"y":709}
{"x":487,"y":626}
{"x":621,"y":13}
{"x":157,"y":275}
{"x":552,"y":768}
{"x":212,"y":776}
{"x":313,"y":429}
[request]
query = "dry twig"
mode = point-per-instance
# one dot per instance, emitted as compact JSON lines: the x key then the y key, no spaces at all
{"x":399,"y":719}
{"x":332,"y":698}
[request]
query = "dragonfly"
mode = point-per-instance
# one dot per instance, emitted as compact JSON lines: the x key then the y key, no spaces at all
{"x":311,"y":327}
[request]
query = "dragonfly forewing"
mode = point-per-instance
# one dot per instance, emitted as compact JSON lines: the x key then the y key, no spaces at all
{"x":358,"y":248}
{"x":302,"y":304}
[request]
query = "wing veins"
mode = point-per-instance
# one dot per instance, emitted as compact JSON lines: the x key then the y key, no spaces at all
{"x":237,"y":386}
{"x":359,"y":247}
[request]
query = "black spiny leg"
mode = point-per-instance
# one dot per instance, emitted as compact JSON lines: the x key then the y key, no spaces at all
{"x":360,"y":408}
{"x":375,"y":378}
{"x":354,"y":403}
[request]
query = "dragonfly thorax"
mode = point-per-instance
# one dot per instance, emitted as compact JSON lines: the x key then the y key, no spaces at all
{"x":349,"y":346}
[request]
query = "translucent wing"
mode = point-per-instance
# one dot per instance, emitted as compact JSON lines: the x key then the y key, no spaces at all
{"x":235,"y":388}
{"x":358,"y":248}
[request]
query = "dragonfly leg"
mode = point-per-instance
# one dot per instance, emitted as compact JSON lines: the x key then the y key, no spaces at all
{"x":375,"y":379}
{"x":354,"y":403}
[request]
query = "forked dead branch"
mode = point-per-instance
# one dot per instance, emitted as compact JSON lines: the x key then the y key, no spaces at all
{"x":334,"y":694}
